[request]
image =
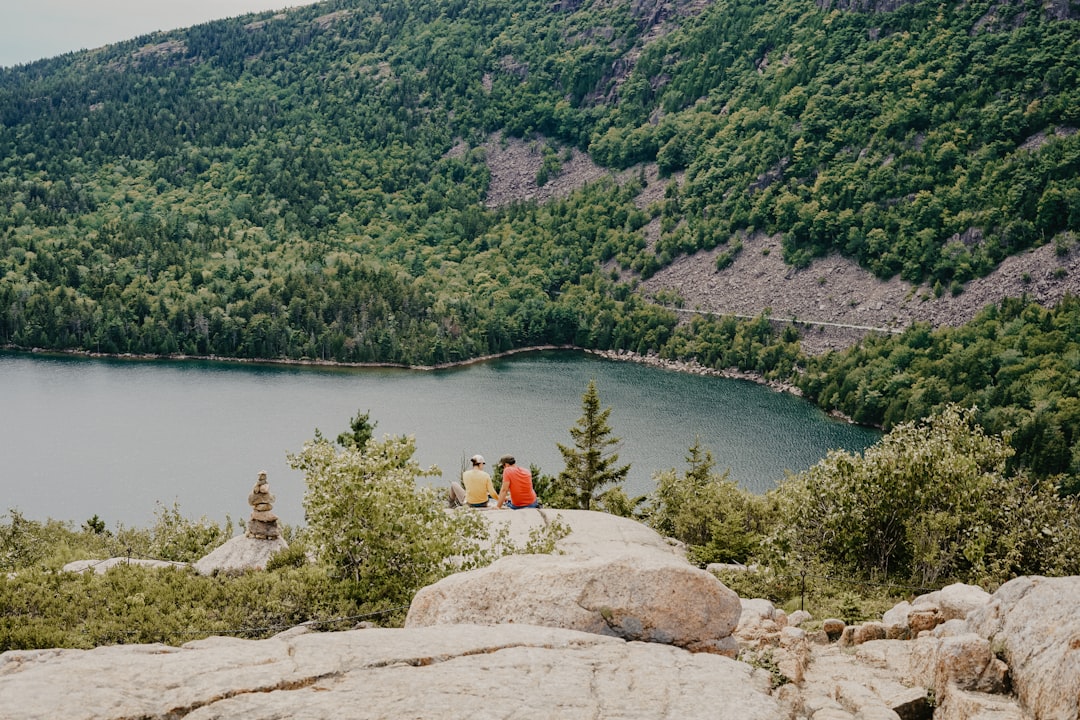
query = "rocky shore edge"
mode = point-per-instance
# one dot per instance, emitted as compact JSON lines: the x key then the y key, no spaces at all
{"x":687,"y":366}
{"x":696,"y":368}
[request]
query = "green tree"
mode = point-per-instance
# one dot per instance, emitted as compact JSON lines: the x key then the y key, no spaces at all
{"x":718,"y":521}
{"x":362,"y":430}
{"x":591,"y":463}
{"x":371,"y":524}
{"x":676,"y":498}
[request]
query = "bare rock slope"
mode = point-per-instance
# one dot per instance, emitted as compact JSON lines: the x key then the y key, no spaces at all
{"x":955,"y":654}
{"x":837,"y":301}
{"x":840,"y":302}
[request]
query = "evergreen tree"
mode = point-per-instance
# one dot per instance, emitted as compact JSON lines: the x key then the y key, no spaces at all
{"x":591,"y":464}
{"x":676,"y":495}
{"x":716,"y":519}
{"x":361,"y":428}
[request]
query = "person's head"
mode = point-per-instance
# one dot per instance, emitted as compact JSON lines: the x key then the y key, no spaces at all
{"x":477,"y":460}
{"x":506,"y":460}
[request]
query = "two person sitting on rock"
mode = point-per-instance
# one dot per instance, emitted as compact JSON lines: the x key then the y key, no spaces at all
{"x":517,"y":486}
{"x":477,"y":482}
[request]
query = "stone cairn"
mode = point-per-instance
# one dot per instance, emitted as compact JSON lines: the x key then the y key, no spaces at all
{"x":263,"y":522}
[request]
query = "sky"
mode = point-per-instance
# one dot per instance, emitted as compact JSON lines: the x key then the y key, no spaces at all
{"x":35,"y":29}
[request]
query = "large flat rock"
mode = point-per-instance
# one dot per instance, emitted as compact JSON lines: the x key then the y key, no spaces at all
{"x":610,"y":576}
{"x":462,"y":671}
{"x":592,"y":534}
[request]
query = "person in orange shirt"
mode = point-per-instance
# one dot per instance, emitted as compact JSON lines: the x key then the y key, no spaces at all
{"x":517,"y":487}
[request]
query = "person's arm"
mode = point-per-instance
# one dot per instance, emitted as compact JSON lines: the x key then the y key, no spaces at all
{"x":502,"y":493}
{"x":491,"y":490}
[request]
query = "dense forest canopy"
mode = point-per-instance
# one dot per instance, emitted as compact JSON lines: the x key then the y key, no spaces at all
{"x":283,"y":186}
{"x":313,"y":184}
{"x":1017,"y":363}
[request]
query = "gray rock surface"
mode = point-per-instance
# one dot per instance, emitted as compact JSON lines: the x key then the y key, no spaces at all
{"x":592,"y":534}
{"x":1012,"y":654}
{"x":462,"y":671}
{"x":102,"y":566}
{"x":958,"y":599}
{"x":239,"y":554}
{"x":864,"y":685}
{"x":649,"y":597}
{"x":612,"y":576}
{"x":962,"y":662}
{"x":1035,"y":622}
{"x":967,"y":705}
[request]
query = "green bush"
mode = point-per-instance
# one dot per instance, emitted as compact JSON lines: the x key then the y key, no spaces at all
{"x":372,"y":525}
{"x":931,"y":501}
{"x":135,"y":604}
{"x":52,"y":543}
{"x":178,"y":539}
{"x":820,"y":595}
{"x":716,"y":519}
{"x":294,"y":556}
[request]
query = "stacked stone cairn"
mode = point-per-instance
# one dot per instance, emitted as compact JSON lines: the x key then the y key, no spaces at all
{"x":263,"y":523}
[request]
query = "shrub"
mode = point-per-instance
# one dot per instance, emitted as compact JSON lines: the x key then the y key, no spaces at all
{"x":718,"y":521}
{"x":930,"y":501}
{"x":820,"y":595}
{"x":727,"y":257}
{"x":52,"y":543}
{"x":375,"y":528}
{"x":177,"y":538}
{"x":135,"y":604}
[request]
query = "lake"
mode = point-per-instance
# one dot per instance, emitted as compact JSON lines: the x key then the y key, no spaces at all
{"x":122,"y":438}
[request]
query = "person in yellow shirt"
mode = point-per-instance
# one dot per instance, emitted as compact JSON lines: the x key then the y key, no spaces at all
{"x":477,"y":482}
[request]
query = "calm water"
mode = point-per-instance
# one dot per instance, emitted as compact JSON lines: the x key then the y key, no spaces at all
{"x":119,"y":438}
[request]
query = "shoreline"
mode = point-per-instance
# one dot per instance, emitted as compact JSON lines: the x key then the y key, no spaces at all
{"x":693,"y":367}
{"x":684,"y":366}
{"x":301,"y":362}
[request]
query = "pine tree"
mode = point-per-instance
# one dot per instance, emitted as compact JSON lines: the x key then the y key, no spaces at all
{"x":591,"y":464}
{"x":362,"y":429}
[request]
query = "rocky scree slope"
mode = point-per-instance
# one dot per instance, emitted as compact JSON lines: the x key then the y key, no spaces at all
{"x":836,"y":301}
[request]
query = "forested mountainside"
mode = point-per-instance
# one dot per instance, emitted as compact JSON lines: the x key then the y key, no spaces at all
{"x":284,"y":185}
{"x":313,"y":183}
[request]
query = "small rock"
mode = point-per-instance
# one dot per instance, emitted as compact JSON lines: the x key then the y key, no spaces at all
{"x":833,"y":628}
